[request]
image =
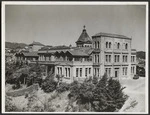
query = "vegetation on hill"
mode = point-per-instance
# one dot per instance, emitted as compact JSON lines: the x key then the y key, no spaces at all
{"x":98,"y":95}
{"x":14,"y":45}
{"x":140,"y":54}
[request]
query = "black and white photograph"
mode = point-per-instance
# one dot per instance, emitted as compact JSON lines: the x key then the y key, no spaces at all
{"x":74,"y":57}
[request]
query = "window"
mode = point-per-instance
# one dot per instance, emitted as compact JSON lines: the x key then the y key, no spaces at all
{"x":98,"y":58}
{"x":58,"y":70}
{"x":61,"y":71}
{"x":123,"y":58}
{"x":80,"y":72}
{"x":118,"y":58}
{"x":125,"y":70}
{"x":89,"y":70}
{"x":97,"y":71}
{"x":126,"y":58}
{"x":98,"y":44}
{"x":77,"y":72}
{"x":126,"y":46}
{"x":115,"y":58}
{"x":109,"y":58}
{"x":68,"y":72}
{"x":118,"y":46}
{"x":95,"y":45}
{"x":95,"y":59}
{"x":109,"y":44}
{"x":106,"y":44}
{"x":86,"y":72}
{"x":106,"y":57}
{"x":109,"y":71}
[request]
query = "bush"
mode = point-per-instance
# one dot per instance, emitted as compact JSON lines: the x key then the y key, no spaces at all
{"x":104,"y":95}
{"x":9,"y":106}
{"x":62,"y":87}
{"x":74,"y":89}
{"x":49,"y":85}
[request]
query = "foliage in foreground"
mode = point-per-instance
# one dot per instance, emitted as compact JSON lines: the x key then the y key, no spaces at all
{"x":105,"y":96}
{"x":9,"y":106}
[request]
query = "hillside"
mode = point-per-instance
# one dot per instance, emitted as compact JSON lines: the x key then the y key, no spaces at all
{"x":140,"y":54}
{"x":14,"y":45}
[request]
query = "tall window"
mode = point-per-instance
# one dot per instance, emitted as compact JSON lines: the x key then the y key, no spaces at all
{"x":118,"y":58}
{"x":61,"y":71}
{"x":95,"y":58}
{"x":77,"y":70}
{"x":109,"y":71}
{"x":89,"y":70}
{"x":98,"y":44}
{"x":106,"y":44}
{"x":98,"y":58}
{"x":95,"y":45}
{"x":115,"y":58}
{"x":68,"y":72}
{"x":118,"y":46}
{"x":97,"y":71}
{"x":80,"y":72}
{"x":58,"y":70}
{"x":109,"y":58}
{"x":126,"y":58}
{"x":106,"y":58}
{"x":86,"y":72}
{"x":109,"y":44}
{"x":126,"y":46}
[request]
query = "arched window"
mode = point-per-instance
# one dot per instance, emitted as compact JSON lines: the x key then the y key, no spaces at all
{"x":118,"y":45}
{"x":95,"y":45}
{"x":126,"y":46}
{"x":109,"y":44}
{"x":106,"y":44}
{"x":98,"y":44}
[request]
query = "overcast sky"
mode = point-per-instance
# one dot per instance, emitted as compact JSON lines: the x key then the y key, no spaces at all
{"x":62,"y":25}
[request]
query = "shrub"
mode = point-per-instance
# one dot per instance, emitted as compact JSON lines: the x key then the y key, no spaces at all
{"x":95,"y":80}
{"x":9,"y":106}
{"x":62,"y":87}
{"x":74,"y":89}
{"x":104,"y":95}
{"x":49,"y":85}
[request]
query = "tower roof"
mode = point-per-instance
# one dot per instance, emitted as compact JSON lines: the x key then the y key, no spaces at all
{"x":84,"y":37}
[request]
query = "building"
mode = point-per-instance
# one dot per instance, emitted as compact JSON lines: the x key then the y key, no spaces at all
{"x":27,"y":56}
{"x":104,"y":53}
{"x":35,"y":46}
{"x":113,"y":54}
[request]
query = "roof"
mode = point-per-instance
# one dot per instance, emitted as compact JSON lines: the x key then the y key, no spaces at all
{"x":36,"y":43}
{"x":47,"y":47}
{"x":59,"y":47}
{"x":111,"y":35}
{"x":84,"y":37}
{"x":30,"y":54}
{"x":77,"y":53}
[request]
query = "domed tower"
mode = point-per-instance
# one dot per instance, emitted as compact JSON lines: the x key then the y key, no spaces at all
{"x":84,"y":39}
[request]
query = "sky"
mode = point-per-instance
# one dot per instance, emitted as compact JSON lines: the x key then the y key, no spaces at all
{"x":63,"y":24}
